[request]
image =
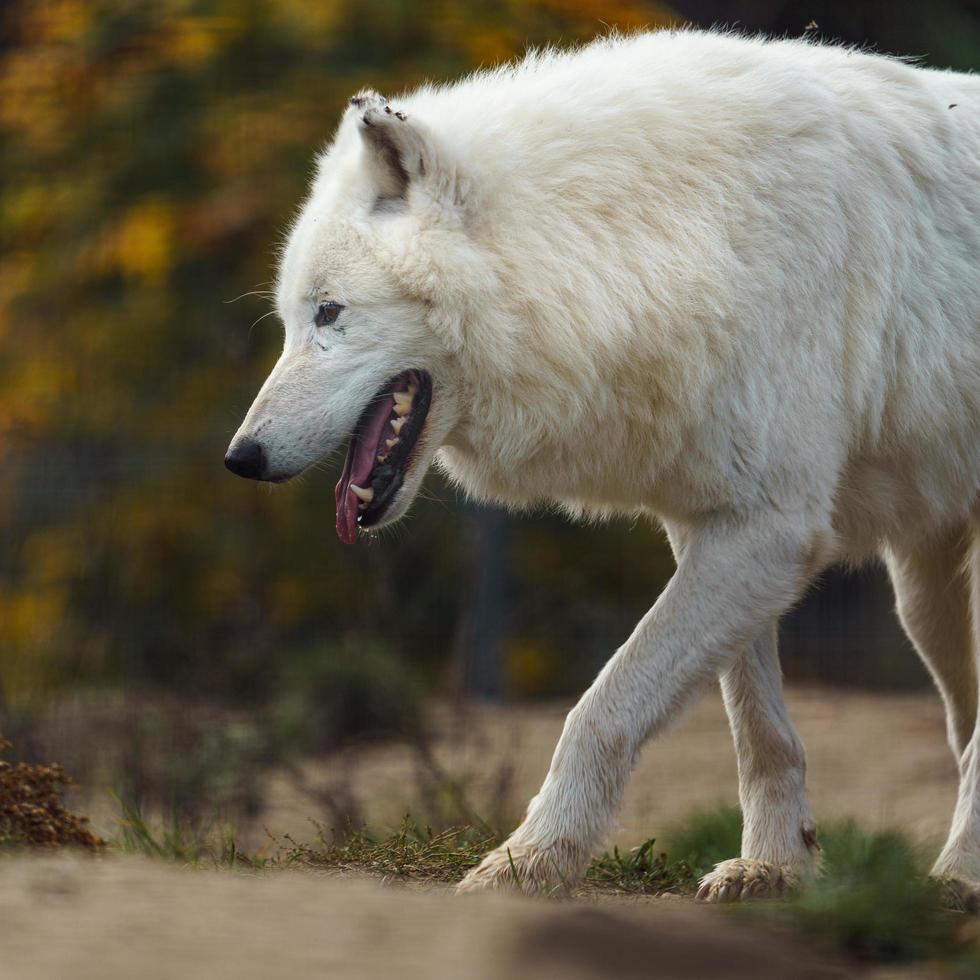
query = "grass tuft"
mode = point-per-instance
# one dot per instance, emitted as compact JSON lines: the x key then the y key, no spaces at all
{"x":642,"y":870}
{"x":874,"y":899}
{"x":412,"y":852}
{"x":417,"y":852}
{"x":182,"y":842}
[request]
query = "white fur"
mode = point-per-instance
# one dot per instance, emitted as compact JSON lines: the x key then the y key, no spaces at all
{"x":729,"y":282}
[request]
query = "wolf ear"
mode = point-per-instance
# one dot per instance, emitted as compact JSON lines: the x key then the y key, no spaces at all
{"x":403,"y":156}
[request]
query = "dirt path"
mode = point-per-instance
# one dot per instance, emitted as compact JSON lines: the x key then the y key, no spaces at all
{"x":123,"y":918}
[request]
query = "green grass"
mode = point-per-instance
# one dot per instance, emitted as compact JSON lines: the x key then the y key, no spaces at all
{"x":418,"y":853}
{"x":411,"y":852}
{"x":706,"y":838}
{"x":641,"y":870}
{"x":181,"y":841}
{"x":875,"y":900}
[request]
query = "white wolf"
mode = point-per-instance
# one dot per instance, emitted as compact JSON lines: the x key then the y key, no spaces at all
{"x":727,"y":282}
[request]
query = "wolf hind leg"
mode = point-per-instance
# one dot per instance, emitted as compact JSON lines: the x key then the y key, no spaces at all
{"x":778,"y":831}
{"x":932,"y":592}
{"x":959,"y":860}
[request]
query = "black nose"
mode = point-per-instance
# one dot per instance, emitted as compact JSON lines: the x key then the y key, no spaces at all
{"x":245,"y":458}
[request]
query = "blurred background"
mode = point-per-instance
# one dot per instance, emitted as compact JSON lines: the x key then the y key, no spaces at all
{"x":179,"y":637}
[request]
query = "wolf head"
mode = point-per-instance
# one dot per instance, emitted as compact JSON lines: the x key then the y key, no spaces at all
{"x":371,"y":296}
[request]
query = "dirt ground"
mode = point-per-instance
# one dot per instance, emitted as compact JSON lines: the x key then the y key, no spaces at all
{"x":123,"y":918}
{"x":880,"y":758}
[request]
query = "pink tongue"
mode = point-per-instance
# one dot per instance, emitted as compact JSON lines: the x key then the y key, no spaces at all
{"x":361,"y":453}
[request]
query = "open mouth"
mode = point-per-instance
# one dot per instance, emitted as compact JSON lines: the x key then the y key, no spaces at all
{"x":381,"y":452}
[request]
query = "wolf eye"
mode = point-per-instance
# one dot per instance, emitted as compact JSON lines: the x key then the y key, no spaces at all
{"x":327,"y":314}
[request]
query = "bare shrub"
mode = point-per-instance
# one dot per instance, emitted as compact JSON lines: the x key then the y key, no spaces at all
{"x":33,"y":812}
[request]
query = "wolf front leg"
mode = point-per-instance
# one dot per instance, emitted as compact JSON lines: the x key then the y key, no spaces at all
{"x":779,"y":842}
{"x":733,"y":579}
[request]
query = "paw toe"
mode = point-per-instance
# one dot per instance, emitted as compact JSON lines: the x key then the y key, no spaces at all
{"x":531,"y":869}
{"x":743,"y":879}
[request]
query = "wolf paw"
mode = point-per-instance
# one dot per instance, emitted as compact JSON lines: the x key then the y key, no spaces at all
{"x":742,"y":879}
{"x":527,"y":868}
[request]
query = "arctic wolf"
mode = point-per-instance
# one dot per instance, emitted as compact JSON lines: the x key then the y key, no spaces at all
{"x":730,"y":283}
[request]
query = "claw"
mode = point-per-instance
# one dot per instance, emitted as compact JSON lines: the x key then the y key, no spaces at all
{"x":744,"y":879}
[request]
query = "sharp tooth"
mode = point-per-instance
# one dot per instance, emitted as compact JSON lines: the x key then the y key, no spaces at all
{"x":382,"y":457}
{"x":403,"y":402}
{"x":391,"y":443}
{"x":397,"y":424}
{"x":366,"y":495}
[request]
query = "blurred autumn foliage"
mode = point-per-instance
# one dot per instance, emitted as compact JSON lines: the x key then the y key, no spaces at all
{"x":152,"y":154}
